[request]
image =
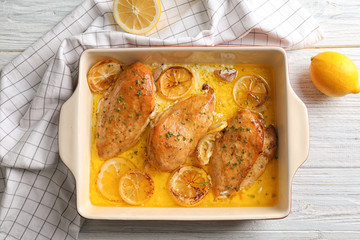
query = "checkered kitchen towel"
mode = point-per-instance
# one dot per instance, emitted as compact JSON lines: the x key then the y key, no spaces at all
{"x":37,"y":191}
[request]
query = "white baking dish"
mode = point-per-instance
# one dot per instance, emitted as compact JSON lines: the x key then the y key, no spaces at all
{"x":292,"y":127}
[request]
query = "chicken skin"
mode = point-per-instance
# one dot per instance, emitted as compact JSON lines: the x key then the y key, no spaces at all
{"x":267,"y":153}
{"x":235,"y":151}
{"x":177,"y":131}
{"x":124,"y":111}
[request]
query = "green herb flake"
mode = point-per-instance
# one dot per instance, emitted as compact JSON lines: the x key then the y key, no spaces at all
{"x":168,"y":135}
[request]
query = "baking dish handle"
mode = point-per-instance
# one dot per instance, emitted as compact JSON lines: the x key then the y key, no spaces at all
{"x":299,"y":135}
{"x":68,"y":140}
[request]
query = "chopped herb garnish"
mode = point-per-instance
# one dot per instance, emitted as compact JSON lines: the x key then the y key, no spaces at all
{"x":120,"y":99}
{"x":168,"y":135}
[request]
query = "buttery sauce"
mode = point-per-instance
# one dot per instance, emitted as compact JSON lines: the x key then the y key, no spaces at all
{"x":264,"y":192}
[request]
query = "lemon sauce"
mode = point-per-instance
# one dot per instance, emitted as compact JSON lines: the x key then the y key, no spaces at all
{"x":264,"y":192}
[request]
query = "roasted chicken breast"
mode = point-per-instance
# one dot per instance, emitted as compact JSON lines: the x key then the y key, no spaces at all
{"x":124,"y":110}
{"x":235,"y":151}
{"x":177,"y":131}
{"x":267,"y":153}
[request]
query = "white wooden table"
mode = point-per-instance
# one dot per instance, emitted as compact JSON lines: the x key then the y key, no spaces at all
{"x":326,"y":189}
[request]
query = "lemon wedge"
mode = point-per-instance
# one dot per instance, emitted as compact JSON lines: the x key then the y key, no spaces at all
{"x":137,"y":16}
{"x":217,"y":127}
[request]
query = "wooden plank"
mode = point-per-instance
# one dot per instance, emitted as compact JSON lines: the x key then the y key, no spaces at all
{"x":23,"y":22}
{"x":334,"y":122}
{"x":338,"y":20}
{"x":230,"y":235}
{"x":323,"y":199}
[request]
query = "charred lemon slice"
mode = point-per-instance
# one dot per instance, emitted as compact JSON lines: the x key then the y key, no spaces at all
{"x":103,"y":74}
{"x":250,"y":91}
{"x":175,"y":82}
{"x":136,"y":187}
{"x":109,"y":176}
{"x":189,"y":185}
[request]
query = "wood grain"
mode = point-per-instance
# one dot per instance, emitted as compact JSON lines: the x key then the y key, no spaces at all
{"x":23,"y":22}
{"x":334,"y":122}
{"x":338,"y":20}
{"x":326,"y":192}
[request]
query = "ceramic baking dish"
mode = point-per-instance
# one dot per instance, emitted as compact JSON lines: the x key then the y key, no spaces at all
{"x":292,"y":127}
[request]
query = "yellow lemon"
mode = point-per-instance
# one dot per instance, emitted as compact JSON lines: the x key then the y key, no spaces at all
{"x":175,"y":82}
{"x":334,"y":74}
{"x":136,"y":187}
{"x":137,"y":16}
{"x":189,"y":185}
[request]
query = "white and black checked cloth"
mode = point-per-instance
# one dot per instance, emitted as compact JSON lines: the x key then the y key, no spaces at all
{"x":37,"y":191}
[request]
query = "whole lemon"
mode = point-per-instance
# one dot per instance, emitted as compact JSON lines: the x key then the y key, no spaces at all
{"x":334,"y":74}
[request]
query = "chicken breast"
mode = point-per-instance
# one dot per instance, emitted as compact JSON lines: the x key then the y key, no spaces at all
{"x":177,"y":131}
{"x":235,"y":151}
{"x":124,"y":110}
{"x":267,"y":153}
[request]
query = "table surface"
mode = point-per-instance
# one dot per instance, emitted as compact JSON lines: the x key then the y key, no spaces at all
{"x":326,"y":188}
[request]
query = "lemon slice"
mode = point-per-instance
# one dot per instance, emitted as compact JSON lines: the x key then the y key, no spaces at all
{"x":217,"y":127}
{"x":250,"y":91}
{"x":189,"y":185}
{"x":103,"y":74}
{"x":109,"y":176}
{"x":137,"y":16}
{"x":136,"y":187}
{"x":175,"y":82}
{"x":204,"y":149}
